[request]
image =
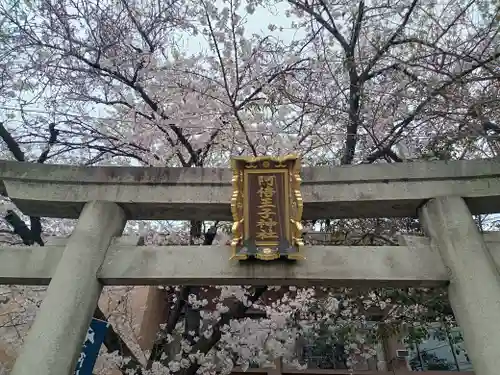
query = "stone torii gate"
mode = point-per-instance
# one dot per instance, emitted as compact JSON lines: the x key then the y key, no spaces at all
{"x":444,"y":195}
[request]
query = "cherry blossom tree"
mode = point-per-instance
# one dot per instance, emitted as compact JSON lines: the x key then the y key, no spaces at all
{"x":341,"y":81}
{"x":402,"y":72}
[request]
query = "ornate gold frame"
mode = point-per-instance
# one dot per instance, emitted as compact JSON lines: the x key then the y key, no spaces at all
{"x":242,"y":163}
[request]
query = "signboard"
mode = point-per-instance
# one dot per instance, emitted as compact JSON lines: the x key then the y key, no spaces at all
{"x":91,"y":346}
{"x":267,"y":208}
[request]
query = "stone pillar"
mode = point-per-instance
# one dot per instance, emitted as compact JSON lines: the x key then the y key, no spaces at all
{"x":55,"y":339}
{"x":381,"y":364}
{"x":391,"y":342}
{"x":148,"y":305}
{"x":474,"y":289}
{"x":398,"y":366}
{"x":277,"y":369}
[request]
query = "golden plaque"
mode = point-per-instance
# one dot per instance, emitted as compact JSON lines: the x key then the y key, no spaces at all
{"x":267,"y":208}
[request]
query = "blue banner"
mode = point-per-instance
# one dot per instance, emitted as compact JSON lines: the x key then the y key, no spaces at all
{"x":92,"y":344}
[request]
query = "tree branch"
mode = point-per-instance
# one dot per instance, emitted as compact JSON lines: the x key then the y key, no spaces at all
{"x":12,"y":145}
{"x":53,"y":133}
{"x":33,"y":235}
{"x":237,"y":310}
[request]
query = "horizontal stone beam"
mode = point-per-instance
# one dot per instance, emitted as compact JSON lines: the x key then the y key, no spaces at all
{"x":380,"y":190}
{"x":362,"y":266}
{"x":415,"y":264}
